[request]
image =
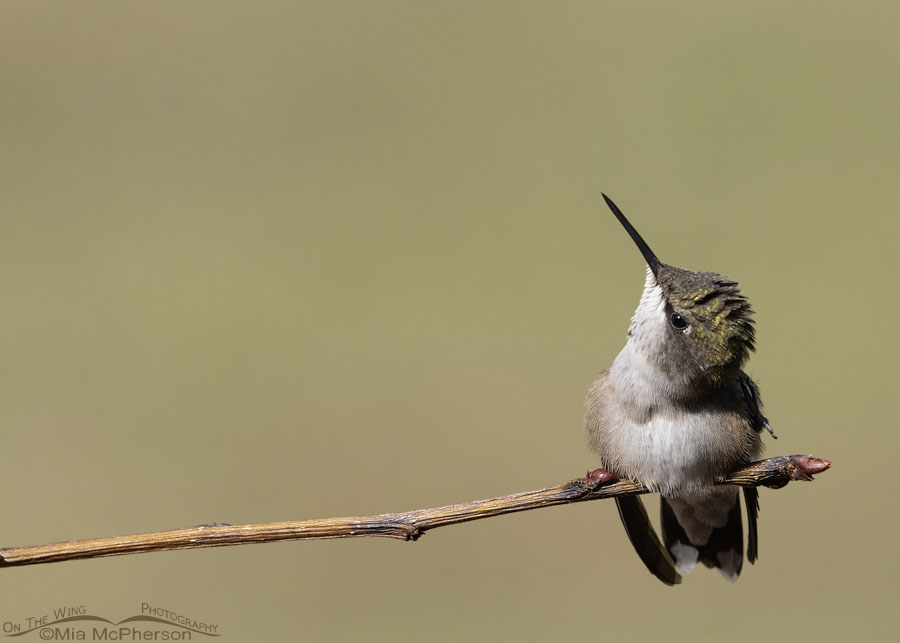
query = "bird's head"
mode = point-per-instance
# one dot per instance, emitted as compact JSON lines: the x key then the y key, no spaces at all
{"x":695,"y":325}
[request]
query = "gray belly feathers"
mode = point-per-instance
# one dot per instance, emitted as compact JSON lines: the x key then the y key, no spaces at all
{"x":681,"y":453}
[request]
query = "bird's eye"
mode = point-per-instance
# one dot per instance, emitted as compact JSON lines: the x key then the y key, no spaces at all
{"x":678,"y":322}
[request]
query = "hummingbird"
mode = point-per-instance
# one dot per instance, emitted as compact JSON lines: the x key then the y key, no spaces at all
{"x":676,"y":413}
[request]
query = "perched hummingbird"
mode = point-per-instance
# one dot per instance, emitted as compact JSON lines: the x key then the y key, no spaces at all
{"x":676,"y":413}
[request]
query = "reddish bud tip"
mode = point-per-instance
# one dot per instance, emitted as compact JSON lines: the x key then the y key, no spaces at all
{"x":804,"y":467}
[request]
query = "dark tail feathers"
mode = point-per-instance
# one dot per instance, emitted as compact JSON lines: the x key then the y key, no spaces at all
{"x":645,"y":541}
{"x":690,"y":539}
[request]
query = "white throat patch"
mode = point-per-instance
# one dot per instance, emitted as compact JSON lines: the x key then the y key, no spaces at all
{"x":635,"y":373}
{"x":650,"y":313}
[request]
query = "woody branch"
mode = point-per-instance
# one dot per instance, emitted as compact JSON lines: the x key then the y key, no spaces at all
{"x":408,"y":525}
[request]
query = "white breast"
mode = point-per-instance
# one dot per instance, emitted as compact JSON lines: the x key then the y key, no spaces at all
{"x":669,"y":452}
{"x":656,"y":441}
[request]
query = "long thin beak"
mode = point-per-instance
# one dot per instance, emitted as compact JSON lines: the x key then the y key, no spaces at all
{"x":651,"y":259}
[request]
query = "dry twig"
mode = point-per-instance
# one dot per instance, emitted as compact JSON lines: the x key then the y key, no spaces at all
{"x":408,"y":525}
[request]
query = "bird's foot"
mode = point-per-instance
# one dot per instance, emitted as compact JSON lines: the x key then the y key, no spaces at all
{"x":600,"y":478}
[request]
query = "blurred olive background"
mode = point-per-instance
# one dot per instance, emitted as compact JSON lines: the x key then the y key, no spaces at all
{"x":286,"y":260}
